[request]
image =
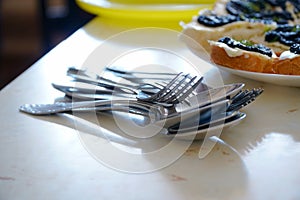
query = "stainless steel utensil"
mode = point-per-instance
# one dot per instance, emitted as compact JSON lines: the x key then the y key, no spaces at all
{"x":140,"y":76}
{"x":217,"y":115}
{"x":94,"y":79}
{"x":244,"y":98}
{"x":173,"y":93}
{"x":92,"y":93}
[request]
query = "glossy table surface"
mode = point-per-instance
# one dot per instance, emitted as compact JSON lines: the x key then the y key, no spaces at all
{"x":48,"y":157}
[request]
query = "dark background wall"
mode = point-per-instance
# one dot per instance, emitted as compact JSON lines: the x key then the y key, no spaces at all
{"x":30,"y":28}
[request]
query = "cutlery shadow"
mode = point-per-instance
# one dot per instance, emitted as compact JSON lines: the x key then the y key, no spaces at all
{"x":227,"y":172}
{"x":127,"y":131}
{"x":102,"y":125}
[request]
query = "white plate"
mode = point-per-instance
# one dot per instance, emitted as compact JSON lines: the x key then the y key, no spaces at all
{"x":278,"y":79}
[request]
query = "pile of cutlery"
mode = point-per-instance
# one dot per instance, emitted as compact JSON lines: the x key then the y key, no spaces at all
{"x":180,"y":103}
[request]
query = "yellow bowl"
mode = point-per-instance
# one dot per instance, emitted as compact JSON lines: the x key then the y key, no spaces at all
{"x":146,"y":10}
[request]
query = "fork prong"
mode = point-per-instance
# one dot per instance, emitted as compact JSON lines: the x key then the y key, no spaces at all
{"x":239,"y":95}
{"x":173,"y":85}
{"x":176,"y":90}
{"x":245,"y":98}
{"x":171,"y":92}
{"x":165,"y":89}
{"x":181,"y":91}
{"x":186,"y":93}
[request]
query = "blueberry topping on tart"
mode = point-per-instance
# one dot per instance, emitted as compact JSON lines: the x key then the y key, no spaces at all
{"x":285,"y":34}
{"x":264,"y":11}
{"x":214,"y":20}
{"x":295,"y":48}
{"x":246,"y":45}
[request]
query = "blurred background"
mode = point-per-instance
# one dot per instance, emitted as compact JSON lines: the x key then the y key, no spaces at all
{"x":30,"y":28}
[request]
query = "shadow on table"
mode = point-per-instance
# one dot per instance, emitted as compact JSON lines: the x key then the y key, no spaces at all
{"x":222,"y":171}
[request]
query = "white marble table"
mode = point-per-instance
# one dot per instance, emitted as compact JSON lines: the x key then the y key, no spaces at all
{"x":46,"y":157}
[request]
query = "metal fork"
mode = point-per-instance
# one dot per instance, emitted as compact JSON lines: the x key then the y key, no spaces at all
{"x":123,"y":74}
{"x":244,"y":98}
{"x":136,"y":83}
{"x":177,"y":90}
{"x":233,"y":105}
{"x":120,"y":71}
{"x":94,"y":79}
{"x":139,"y":76}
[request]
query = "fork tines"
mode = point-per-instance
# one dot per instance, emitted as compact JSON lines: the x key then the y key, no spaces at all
{"x":176,"y":90}
{"x":181,"y":90}
{"x":243,"y":98}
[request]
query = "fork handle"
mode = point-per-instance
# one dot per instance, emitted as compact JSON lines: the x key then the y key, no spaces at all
{"x":119,"y":71}
{"x":101,"y":105}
